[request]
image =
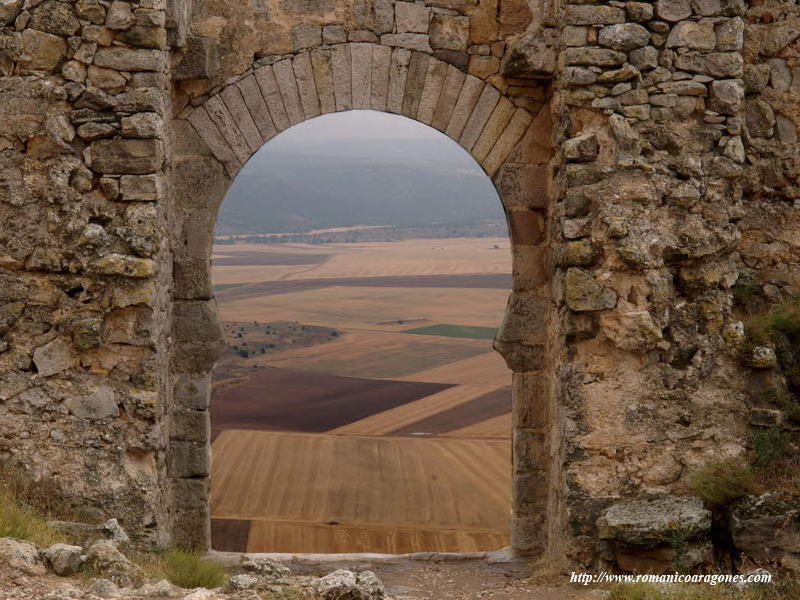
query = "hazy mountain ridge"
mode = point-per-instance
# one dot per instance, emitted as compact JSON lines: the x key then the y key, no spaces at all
{"x":405,"y":182}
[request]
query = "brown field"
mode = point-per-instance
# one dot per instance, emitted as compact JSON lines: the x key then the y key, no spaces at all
{"x":377,"y":355}
{"x":378,"y":259}
{"x":423,"y":486}
{"x":237,"y":258}
{"x":483,"y":368}
{"x":391,"y":420}
{"x":467,"y":414}
{"x":339,"y":432}
{"x":499,"y":427}
{"x":369,"y":307}
{"x":283,"y":400}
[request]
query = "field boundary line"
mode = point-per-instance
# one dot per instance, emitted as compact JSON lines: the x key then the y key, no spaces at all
{"x":390,"y":420}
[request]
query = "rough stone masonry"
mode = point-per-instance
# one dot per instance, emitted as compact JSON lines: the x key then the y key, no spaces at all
{"x":645,"y":153}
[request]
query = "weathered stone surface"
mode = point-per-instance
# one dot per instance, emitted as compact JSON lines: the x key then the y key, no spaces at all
{"x":693,"y":35}
{"x":346,"y":585}
{"x":265,"y":77}
{"x":42,"y":50}
{"x":342,"y":77}
{"x":120,"y":15}
{"x":123,"y":157}
{"x":450,"y":32}
{"x":21,"y":556}
{"x":409,"y":41}
{"x":582,"y":148}
{"x":594,"y":15}
{"x":100,"y":404}
{"x":53,"y":357}
{"x":760,"y":118}
{"x":766,"y":528}
{"x":484,"y":106}
{"x":306,"y":36}
{"x":411,"y":17}
{"x":726,"y":96}
{"x":105,"y":559}
{"x":716,"y":64}
{"x":594,"y":56}
{"x":199,"y":60}
{"x":673,"y":10}
{"x":627,"y":36}
{"x":533,"y":55}
{"x":129,"y":59}
{"x":361,"y":61}
{"x":431,"y":91}
{"x":56,"y":18}
{"x":656,"y":521}
{"x":323,"y":79}
{"x":334,"y":34}
{"x":379,"y":84}
{"x":584,"y":293}
{"x":65,"y":560}
{"x":124,"y":266}
{"x":9,"y":10}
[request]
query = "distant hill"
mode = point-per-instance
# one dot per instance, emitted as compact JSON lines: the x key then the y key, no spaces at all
{"x":294,"y":187}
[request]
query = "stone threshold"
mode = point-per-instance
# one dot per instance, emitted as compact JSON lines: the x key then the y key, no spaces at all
{"x":364,"y":560}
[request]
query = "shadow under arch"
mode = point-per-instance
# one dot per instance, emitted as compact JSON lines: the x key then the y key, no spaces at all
{"x":212,"y":142}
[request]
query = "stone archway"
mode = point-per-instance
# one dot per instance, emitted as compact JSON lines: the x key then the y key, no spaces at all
{"x":213,"y":140}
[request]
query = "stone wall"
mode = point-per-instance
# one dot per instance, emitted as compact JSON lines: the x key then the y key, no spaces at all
{"x":440,"y":63}
{"x":85,"y":256}
{"x":674,"y":180}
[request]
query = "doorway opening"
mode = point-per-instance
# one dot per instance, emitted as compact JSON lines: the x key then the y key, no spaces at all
{"x":361,"y":267}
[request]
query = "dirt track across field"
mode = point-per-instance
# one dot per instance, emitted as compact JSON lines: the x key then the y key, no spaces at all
{"x":286,"y":400}
{"x":500,"y":281}
{"x":236,"y":258}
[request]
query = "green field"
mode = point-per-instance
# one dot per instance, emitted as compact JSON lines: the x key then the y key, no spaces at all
{"x":456,"y":331}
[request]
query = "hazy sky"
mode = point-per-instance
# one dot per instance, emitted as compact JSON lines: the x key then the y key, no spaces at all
{"x":358,"y":124}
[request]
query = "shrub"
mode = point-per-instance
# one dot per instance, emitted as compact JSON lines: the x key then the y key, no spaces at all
{"x":769,"y":446}
{"x":184,"y":569}
{"x":20,"y":521}
{"x":722,"y":483}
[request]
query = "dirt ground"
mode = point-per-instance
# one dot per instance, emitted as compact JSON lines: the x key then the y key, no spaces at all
{"x":477,"y":579}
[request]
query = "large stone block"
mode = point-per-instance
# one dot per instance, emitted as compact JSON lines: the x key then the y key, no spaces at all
{"x":584,"y":293}
{"x":199,"y":60}
{"x":411,"y":17}
{"x":238,"y":110}
{"x":450,"y":32}
{"x":100,"y":404}
{"x":192,"y":392}
{"x":53,"y":357}
{"x":127,"y":157}
{"x":379,"y":85}
{"x":398,"y":73}
{"x":483,"y":110}
{"x":190,"y":426}
{"x":189,"y":459}
{"x":129,"y":59}
{"x":415,"y":81}
{"x":41,"y":50}
{"x":533,"y":55}
{"x":265,"y":76}
{"x":495,"y":125}
{"x":431,"y":91}
{"x":196,"y":321}
{"x":451,"y":90}
{"x":467,"y":98}
{"x":361,"y":76}
{"x":306,"y":86}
